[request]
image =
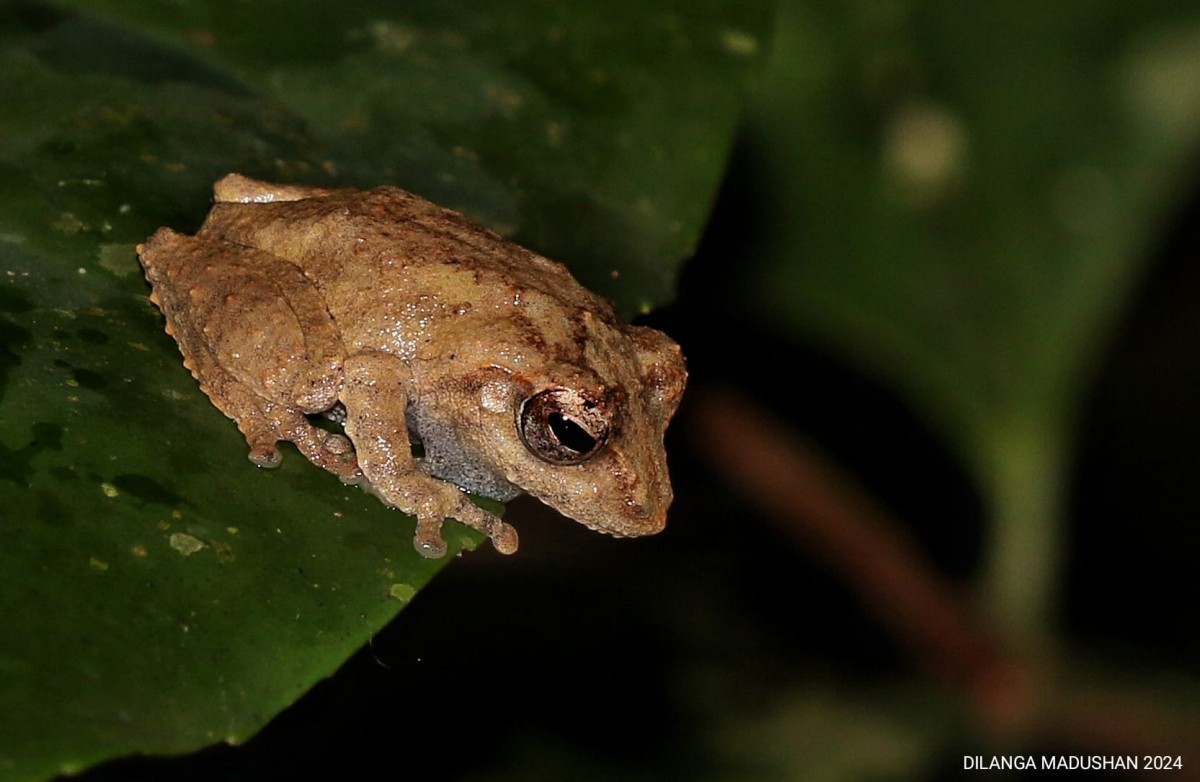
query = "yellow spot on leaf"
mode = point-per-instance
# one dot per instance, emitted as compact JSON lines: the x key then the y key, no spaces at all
{"x":109,"y":490}
{"x":186,"y":544}
{"x":402,"y":592}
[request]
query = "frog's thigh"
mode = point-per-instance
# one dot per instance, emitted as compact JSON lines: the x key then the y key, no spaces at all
{"x":373,"y":393}
{"x":258,"y":316}
{"x":257,"y":337}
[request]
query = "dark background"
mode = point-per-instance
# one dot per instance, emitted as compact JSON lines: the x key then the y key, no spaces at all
{"x":663,"y":658}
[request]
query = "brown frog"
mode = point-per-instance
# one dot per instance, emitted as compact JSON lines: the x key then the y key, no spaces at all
{"x":406,"y":321}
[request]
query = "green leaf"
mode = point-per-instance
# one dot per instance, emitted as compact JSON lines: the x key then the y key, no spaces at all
{"x":596,"y":133}
{"x":158,"y":592}
{"x":963,"y":195}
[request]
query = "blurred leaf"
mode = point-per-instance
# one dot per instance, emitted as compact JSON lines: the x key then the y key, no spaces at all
{"x":961,"y":201}
{"x":158,"y":593}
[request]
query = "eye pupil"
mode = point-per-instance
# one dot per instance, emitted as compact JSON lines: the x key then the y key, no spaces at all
{"x":570,"y":434}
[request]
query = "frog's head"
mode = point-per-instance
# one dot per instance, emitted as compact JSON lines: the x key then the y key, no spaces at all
{"x":584,"y":436}
{"x":591,"y":438}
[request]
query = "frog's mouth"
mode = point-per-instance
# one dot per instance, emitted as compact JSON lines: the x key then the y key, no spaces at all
{"x":633,"y":520}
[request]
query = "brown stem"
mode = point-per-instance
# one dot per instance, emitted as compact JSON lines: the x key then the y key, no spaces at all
{"x":784,"y":475}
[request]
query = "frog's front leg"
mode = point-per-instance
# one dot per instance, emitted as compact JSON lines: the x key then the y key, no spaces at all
{"x":257,"y":336}
{"x":374,"y":395}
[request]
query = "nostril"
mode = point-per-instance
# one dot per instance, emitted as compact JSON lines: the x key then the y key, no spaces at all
{"x":636,"y":509}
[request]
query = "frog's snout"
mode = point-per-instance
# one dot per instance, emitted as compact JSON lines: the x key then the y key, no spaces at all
{"x":645,"y":518}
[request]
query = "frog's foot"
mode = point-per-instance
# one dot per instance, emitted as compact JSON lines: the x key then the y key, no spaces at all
{"x":428,"y":538}
{"x":503,"y":537}
{"x":432,"y":502}
{"x":264,"y":425}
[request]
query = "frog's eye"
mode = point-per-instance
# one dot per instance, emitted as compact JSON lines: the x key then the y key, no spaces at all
{"x":563,"y":426}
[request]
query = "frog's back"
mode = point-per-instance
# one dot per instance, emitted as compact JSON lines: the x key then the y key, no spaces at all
{"x":404,"y":275}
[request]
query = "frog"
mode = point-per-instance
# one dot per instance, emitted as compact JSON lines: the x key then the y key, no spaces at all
{"x":450,"y":360}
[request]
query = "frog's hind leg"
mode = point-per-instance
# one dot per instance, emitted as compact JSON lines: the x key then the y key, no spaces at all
{"x":257,"y":336}
{"x":264,"y":424}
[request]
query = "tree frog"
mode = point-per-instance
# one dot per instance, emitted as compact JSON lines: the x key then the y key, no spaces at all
{"x":410,"y":324}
